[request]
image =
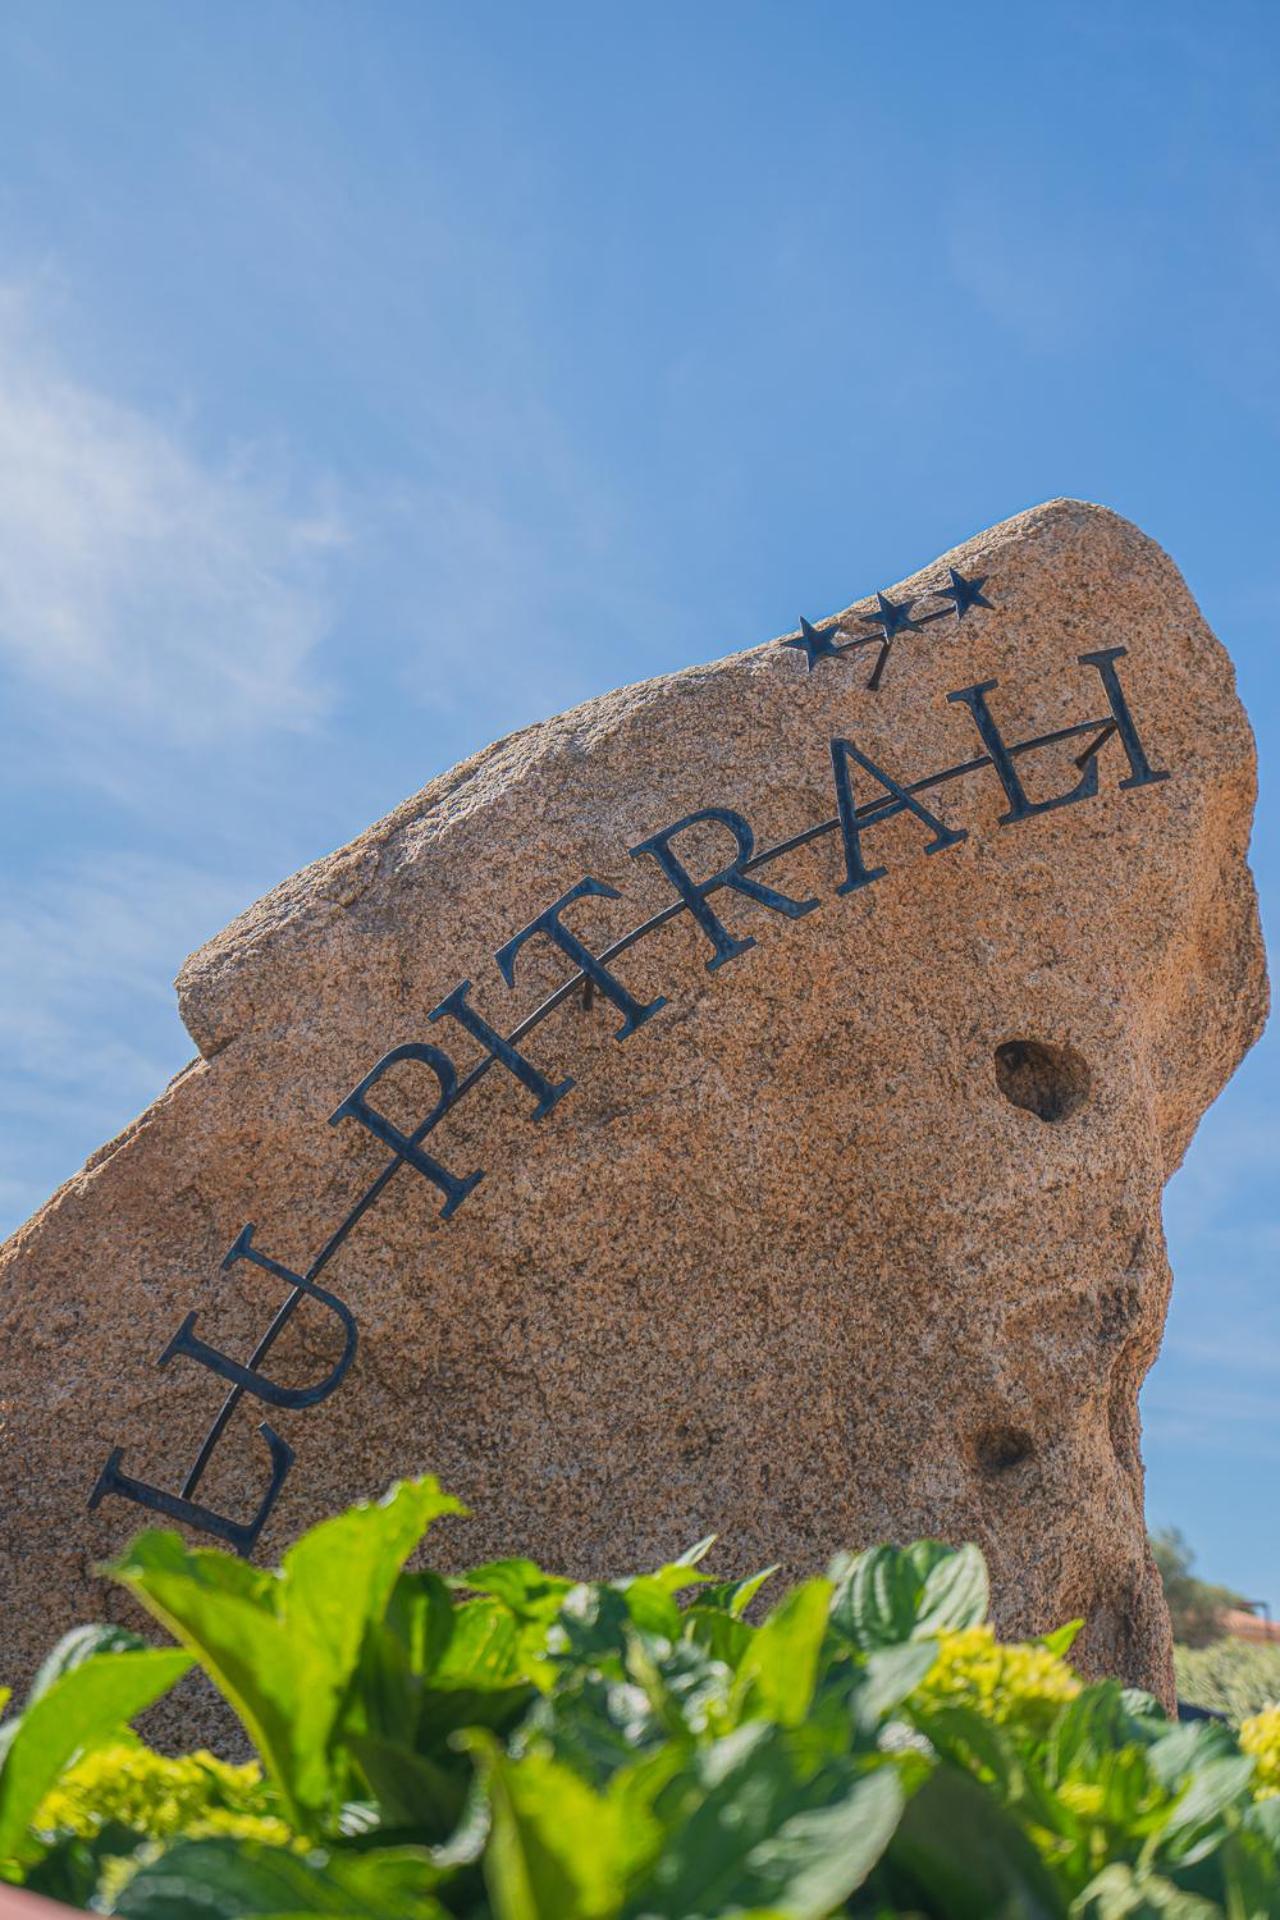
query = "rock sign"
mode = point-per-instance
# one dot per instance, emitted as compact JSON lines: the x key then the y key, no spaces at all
{"x":738,"y":1105}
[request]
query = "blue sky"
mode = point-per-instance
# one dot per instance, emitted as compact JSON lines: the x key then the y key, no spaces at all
{"x":375,"y":378}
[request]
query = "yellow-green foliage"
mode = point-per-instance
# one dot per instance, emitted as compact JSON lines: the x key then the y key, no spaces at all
{"x":515,"y":1745}
{"x":1260,"y":1736}
{"x":1019,"y":1686}
{"x":131,"y":1786}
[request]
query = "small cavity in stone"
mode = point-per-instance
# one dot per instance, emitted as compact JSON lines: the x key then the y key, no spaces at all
{"x":1051,"y":1082}
{"x":999,"y":1449}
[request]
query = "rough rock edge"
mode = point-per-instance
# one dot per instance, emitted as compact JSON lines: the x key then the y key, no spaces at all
{"x":329,"y":885}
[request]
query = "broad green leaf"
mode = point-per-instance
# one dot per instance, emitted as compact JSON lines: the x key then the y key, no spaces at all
{"x":162,"y":1551}
{"x":757,"y":1830}
{"x":1122,"y":1892}
{"x":1132,"y":1802}
{"x":678,"y":1575}
{"x":1214,"y":1789}
{"x":556,"y":1848}
{"x":687,"y":1688}
{"x":421,"y":1615}
{"x":448,"y":1710}
{"x":1146,"y":1718}
{"x":651,"y":1606}
{"x":821,"y":1855}
{"x":1245,"y":1876}
{"x":413,"y":1790}
{"x":399,"y":1726}
{"x":972,"y":1742}
{"x":365,"y":1547}
{"x":924,"y":1555}
{"x":735,"y":1596}
{"x":483,"y":1649}
{"x":694,"y":1556}
{"x":236,"y":1879}
{"x":81,"y":1644}
{"x":522,"y":1585}
{"x":277,"y":1682}
{"x":593,"y":1624}
{"x":723,"y":1636}
{"x":779,"y":1668}
{"x":386,"y":1697}
{"x":1092,"y":1725}
{"x":958,"y":1853}
{"x":956,"y":1593}
{"x":1185,"y":1749}
{"x":594,"y":1725}
{"x":1062,"y":1639}
{"x":282,"y":1648}
{"x":78,"y":1710}
{"x":634,"y":1793}
{"x":71,"y":1869}
{"x":1263,"y":1818}
{"x":874,"y":1603}
{"x":727,"y":1798}
{"x":885,"y":1595}
{"x":891,"y":1675}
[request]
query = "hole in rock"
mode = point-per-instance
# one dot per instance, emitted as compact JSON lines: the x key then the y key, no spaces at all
{"x":999,"y":1449}
{"x":1051,"y":1082}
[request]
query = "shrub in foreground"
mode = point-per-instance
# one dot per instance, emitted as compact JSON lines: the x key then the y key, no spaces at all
{"x":516,"y":1746}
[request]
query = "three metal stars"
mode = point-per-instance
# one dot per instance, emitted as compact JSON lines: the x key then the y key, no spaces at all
{"x":890,"y":618}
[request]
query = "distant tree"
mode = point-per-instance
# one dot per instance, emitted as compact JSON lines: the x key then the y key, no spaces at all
{"x":1195,"y":1607}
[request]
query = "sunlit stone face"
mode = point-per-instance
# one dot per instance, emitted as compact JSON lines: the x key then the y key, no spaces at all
{"x":855,"y":1237}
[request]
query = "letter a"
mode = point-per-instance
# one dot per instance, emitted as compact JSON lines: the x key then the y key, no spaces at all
{"x":898,"y":797}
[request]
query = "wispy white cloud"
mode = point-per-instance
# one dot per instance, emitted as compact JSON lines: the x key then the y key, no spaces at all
{"x":1220,"y":1419}
{"x":1242,"y":1347}
{"x":78,"y":934}
{"x":1235,"y":1150}
{"x":89,"y":1032}
{"x":139,"y":582}
{"x":167,"y":620}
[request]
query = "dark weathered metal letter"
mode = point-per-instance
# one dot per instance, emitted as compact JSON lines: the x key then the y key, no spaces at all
{"x":241,"y":1536}
{"x":457,"y":1007}
{"x":186,"y":1343}
{"x":549,"y":922}
{"x":858,"y":874}
{"x":356,"y":1107}
{"x":694,"y":892}
{"x":1141,"y":773}
{"x":1020,"y":808}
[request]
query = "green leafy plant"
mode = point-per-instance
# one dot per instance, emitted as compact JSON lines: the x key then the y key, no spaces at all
{"x":514,"y":1745}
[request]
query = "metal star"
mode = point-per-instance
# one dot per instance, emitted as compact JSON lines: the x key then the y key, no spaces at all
{"x":892,"y":617}
{"x":964,"y":593}
{"x":815,"y":646}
